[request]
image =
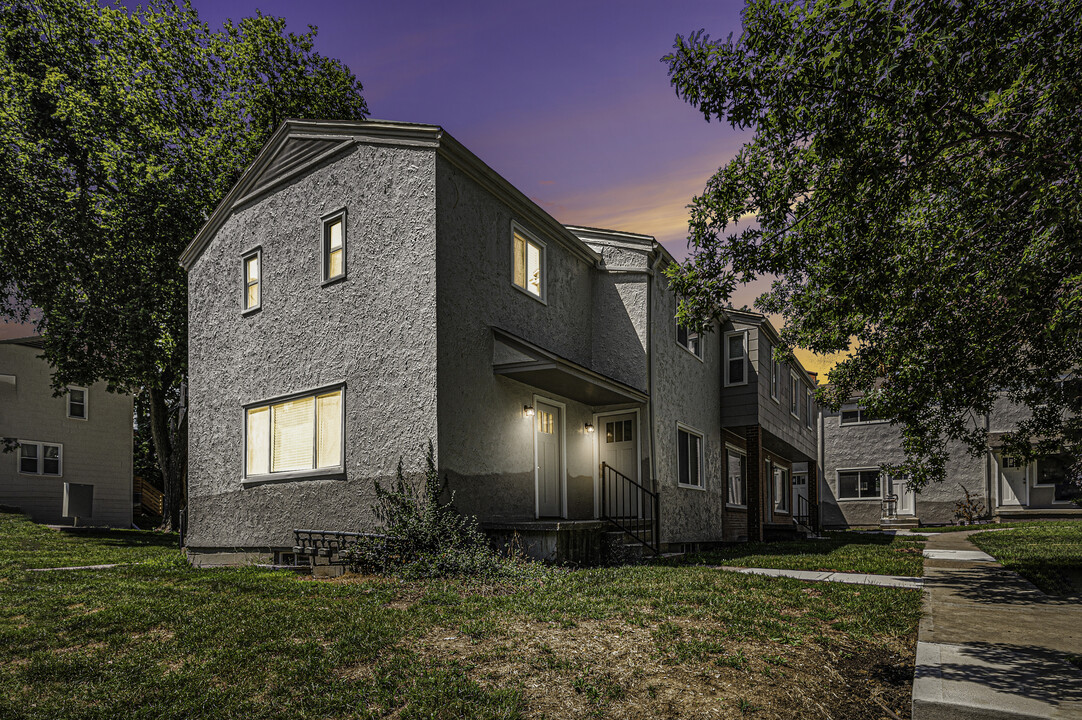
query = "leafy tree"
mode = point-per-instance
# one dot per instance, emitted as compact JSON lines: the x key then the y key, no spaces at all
{"x":914,"y":179}
{"x":120,"y":132}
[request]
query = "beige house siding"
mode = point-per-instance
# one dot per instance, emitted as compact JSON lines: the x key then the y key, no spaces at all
{"x":96,"y":451}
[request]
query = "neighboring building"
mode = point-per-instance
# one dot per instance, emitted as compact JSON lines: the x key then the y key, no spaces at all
{"x":856,"y":491}
{"x":370,"y":287}
{"x":770,"y":419}
{"x":75,"y":448}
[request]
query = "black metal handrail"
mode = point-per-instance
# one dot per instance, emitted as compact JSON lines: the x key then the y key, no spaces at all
{"x":803,"y":511}
{"x":631,"y":507}
{"x":890,"y":506}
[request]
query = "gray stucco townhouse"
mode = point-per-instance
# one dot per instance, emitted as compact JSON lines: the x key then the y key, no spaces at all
{"x":369,"y":287}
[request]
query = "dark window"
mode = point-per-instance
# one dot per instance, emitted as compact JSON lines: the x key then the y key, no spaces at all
{"x":690,"y":339}
{"x":690,"y":451}
{"x":859,"y":484}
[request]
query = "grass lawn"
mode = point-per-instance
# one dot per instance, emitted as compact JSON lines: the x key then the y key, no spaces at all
{"x":158,"y":639}
{"x":838,"y":552}
{"x":1048,"y":554}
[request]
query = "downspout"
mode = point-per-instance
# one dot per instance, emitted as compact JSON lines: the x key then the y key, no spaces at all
{"x":650,"y":366}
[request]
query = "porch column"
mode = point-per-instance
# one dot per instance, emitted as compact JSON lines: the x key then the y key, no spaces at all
{"x":813,"y":496}
{"x":753,"y":437}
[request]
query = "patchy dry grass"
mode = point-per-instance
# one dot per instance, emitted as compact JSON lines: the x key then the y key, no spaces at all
{"x":161,"y":640}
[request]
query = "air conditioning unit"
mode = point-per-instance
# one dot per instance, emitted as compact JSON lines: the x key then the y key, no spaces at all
{"x":78,"y":500}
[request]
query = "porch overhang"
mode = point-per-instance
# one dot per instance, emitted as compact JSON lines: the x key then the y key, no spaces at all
{"x":521,"y":360}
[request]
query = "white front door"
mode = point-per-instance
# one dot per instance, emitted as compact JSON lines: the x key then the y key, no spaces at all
{"x":907,"y":502}
{"x":1012,"y":481}
{"x":619,"y":449}
{"x":548,"y":434}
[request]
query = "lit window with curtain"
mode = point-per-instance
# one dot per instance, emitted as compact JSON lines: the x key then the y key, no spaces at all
{"x":295,"y":435}
{"x":529,"y":261}
{"x":334,"y":246}
{"x":252,"y":280}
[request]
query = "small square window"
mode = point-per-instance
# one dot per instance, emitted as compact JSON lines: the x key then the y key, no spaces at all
{"x":691,"y":340}
{"x":77,"y":403}
{"x":529,"y":265}
{"x":334,"y":246}
{"x":253,"y":274}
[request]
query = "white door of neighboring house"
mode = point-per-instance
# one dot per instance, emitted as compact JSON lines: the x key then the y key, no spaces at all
{"x":800,"y":490}
{"x":548,"y":433}
{"x":907,"y":501}
{"x":1012,"y":482}
{"x":619,"y":449}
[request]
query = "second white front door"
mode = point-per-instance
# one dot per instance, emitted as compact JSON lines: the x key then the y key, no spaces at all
{"x":548,"y":436}
{"x":619,"y":449}
{"x":1012,"y":481}
{"x":907,"y":502}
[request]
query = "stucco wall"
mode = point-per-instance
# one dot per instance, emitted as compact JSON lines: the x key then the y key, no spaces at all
{"x":686,"y":390}
{"x":96,"y":451}
{"x":869,"y":445}
{"x":375,"y":331}
{"x":487,"y":444}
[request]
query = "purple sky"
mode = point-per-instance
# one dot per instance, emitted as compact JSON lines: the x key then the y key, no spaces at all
{"x":567,"y":100}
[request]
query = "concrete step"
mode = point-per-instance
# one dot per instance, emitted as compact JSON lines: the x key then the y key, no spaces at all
{"x":899,"y":523}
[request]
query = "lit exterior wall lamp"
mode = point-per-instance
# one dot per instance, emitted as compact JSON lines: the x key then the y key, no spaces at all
{"x":589,"y":427}
{"x":527,"y":411}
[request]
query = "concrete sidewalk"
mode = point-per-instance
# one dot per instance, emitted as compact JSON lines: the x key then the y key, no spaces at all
{"x":990,"y":644}
{"x":894,"y":581}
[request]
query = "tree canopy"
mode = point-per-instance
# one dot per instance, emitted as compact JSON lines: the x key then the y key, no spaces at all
{"x":914,"y":179}
{"x":121,"y":131}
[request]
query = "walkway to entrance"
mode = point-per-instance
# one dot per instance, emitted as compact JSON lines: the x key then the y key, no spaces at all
{"x":990,"y":644}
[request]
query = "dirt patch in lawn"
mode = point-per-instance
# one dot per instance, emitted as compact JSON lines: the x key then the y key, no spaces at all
{"x":679,"y":669}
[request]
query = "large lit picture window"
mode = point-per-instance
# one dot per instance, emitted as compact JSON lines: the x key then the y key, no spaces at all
{"x":295,"y":435}
{"x":529,"y":271}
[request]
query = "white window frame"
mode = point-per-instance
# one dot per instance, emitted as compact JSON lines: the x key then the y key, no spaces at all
{"x":86,"y":402}
{"x":868,"y":498}
{"x":794,"y":394}
{"x":256,"y":252}
{"x":809,"y":409}
{"x":787,"y":486}
{"x":681,"y":427}
{"x":530,"y":238}
{"x":775,"y":375}
{"x":744,"y":335}
{"x":698,"y":336}
{"x":733,"y":450}
{"x":325,"y":223}
{"x":41,"y":445}
{"x":860,"y":411}
{"x":315,"y":472}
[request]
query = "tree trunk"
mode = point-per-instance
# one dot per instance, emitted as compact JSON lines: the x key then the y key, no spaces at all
{"x":169,"y":429}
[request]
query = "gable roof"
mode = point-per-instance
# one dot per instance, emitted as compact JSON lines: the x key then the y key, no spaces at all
{"x":34,"y":341}
{"x":762,"y":321}
{"x":298,"y":146}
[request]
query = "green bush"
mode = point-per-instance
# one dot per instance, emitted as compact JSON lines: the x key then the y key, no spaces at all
{"x":424,"y":537}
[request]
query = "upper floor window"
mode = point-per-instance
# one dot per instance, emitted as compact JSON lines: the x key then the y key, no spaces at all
{"x":77,"y":403}
{"x":859,"y":485}
{"x":794,"y":395}
{"x":736,"y":358}
{"x":294,"y":435}
{"x":852,"y":414}
{"x":334,"y":246}
{"x":775,"y":377}
{"x":690,"y":452}
{"x":738,"y":477}
{"x":38,"y":458}
{"x":252,"y":280}
{"x":529,"y":265}
{"x":690,"y":339}
{"x":810,"y":410}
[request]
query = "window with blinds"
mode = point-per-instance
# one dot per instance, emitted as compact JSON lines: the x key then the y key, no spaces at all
{"x":303,"y":433}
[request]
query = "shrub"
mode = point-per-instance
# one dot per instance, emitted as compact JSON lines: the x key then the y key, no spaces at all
{"x":969,"y":510}
{"x":426,"y":537}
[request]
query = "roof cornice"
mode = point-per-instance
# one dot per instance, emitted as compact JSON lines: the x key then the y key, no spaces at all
{"x":375,"y":132}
